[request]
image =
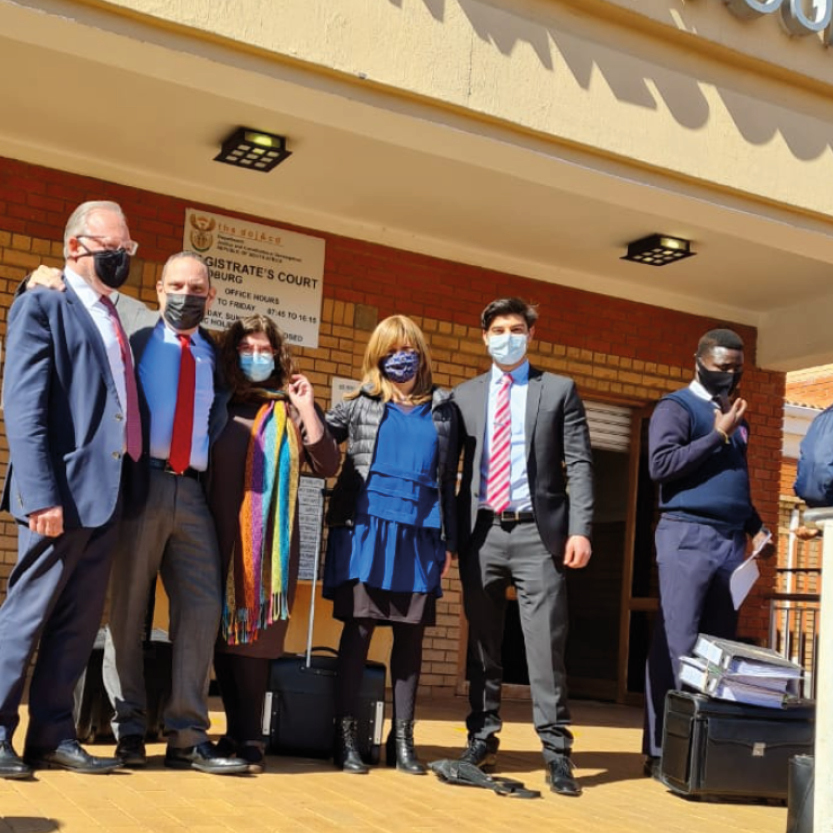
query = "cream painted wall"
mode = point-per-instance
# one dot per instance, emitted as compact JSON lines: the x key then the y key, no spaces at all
{"x":584,"y":74}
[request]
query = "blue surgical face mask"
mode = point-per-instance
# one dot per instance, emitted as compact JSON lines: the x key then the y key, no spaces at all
{"x":507,"y":348}
{"x":401,"y":366}
{"x":257,"y":367}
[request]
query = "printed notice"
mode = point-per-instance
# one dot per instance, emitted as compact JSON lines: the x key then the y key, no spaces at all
{"x":310,"y":523}
{"x":339,"y":388}
{"x":259,"y":269}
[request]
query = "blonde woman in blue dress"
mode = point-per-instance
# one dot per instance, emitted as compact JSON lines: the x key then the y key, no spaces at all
{"x":392,"y":527}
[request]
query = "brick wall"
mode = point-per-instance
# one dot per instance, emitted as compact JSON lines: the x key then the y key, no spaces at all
{"x":616,"y":350}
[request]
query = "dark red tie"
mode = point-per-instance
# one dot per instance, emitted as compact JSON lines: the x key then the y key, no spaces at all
{"x":133,"y":429}
{"x":180,"y":456}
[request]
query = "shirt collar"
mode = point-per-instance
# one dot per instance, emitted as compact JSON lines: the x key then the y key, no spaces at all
{"x":168,"y":333}
{"x":699,"y":391}
{"x":520,"y":375}
{"x":88,"y":296}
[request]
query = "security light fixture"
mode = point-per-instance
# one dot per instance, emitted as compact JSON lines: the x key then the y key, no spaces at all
{"x":658,"y":250}
{"x":253,"y":149}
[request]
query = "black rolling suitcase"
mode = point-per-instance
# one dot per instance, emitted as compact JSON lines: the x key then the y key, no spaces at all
{"x":92,"y":710}
{"x":298,"y":714}
{"x":717,"y":749}
{"x":298,"y":711}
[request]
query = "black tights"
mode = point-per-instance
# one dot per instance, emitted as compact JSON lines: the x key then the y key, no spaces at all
{"x":242,"y":682}
{"x":405,"y":662}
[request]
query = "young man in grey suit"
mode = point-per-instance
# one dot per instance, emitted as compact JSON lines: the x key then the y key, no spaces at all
{"x":525,"y":440}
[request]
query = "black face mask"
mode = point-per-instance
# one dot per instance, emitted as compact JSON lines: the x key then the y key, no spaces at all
{"x":184,"y":312}
{"x":719,"y":383}
{"x":112,"y":266}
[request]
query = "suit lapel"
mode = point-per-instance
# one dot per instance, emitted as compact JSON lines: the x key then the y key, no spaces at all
{"x":85,"y":321}
{"x":533,"y":400}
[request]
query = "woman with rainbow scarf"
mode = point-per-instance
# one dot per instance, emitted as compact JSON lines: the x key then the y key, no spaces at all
{"x":392,"y":527}
{"x":273,"y":428}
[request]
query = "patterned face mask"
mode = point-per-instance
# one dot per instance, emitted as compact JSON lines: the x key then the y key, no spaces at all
{"x":401,"y":366}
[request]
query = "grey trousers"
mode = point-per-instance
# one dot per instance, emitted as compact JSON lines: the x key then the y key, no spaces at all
{"x":174,"y":536}
{"x":497,"y":557}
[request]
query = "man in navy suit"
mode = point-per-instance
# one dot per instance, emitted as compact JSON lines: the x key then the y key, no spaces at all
{"x":71,"y":416}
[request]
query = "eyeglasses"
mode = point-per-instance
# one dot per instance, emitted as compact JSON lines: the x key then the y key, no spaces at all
{"x":248,"y":350}
{"x":129,"y":247}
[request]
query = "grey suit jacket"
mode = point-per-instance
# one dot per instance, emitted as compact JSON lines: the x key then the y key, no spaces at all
{"x":559,"y":458}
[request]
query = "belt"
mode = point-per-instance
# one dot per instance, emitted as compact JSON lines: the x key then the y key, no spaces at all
{"x":164,"y":465}
{"x":508,"y":516}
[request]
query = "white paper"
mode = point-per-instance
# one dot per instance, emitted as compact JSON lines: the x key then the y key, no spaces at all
{"x":742,"y":580}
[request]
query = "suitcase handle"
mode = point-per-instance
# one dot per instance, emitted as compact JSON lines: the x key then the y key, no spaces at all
{"x":323,"y":649}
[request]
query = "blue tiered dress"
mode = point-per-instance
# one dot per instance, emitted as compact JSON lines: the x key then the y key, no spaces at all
{"x":388,"y":565}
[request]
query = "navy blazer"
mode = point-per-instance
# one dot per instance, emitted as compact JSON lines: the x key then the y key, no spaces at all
{"x":559,"y":461}
{"x":63,"y":418}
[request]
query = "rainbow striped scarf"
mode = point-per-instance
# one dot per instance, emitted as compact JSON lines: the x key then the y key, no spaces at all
{"x":258,"y":579}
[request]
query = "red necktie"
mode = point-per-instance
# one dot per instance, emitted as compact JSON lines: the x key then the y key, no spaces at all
{"x":497,"y":484}
{"x":180,"y":456}
{"x":133,"y":428}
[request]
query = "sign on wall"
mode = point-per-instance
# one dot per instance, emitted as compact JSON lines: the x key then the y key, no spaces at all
{"x":799,"y":17}
{"x":339,"y":388}
{"x":260,"y":269}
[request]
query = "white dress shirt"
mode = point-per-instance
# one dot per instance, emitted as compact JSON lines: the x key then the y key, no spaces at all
{"x":104,"y":323}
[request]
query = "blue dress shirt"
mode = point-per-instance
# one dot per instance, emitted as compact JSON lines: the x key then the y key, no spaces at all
{"x":159,"y":377}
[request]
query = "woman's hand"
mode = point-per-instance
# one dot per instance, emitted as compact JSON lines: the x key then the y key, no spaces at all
{"x":446,"y":565}
{"x":302,"y":396}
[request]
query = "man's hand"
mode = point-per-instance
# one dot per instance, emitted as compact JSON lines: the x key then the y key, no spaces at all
{"x":46,"y":277}
{"x":728,"y":422}
{"x":804,"y":533}
{"x":48,"y":522}
{"x":577,"y":552}
{"x":762,"y":542}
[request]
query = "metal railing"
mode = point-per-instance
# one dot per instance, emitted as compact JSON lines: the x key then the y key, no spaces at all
{"x":794,"y":631}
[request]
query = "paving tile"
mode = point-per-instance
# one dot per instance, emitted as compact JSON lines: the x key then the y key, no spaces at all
{"x":308,"y":796}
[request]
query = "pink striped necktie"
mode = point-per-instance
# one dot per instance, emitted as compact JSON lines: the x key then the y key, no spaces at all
{"x":133,"y":428}
{"x":497,"y":484}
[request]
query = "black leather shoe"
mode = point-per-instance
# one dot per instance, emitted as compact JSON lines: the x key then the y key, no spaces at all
{"x":560,"y":776}
{"x":481,"y":753}
{"x":130,"y":750}
{"x":204,"y":758}
{"x":11,"y":765}
{"x":70,"y":755}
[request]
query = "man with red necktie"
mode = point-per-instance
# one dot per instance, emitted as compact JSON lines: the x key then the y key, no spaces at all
{"x":169,"y":530}
{"x":167,"y":527}
{"x":72,"y":420}
{"x":525,"y":441}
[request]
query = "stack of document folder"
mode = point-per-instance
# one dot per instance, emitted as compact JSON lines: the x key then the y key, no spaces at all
{"x":741,"y":673}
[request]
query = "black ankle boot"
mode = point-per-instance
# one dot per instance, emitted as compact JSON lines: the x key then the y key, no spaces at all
{"x":399,"y":748}
{"x":346,"y":755}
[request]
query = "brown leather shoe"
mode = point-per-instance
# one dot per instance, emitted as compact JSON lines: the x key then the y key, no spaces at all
{"x":560,"y":776}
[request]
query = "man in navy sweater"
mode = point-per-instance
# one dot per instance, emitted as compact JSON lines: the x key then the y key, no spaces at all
{"x":697,"y":453}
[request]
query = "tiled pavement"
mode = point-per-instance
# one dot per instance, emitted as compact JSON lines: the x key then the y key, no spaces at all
{"x":304,"y":795}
